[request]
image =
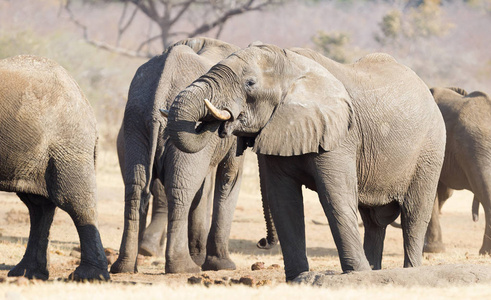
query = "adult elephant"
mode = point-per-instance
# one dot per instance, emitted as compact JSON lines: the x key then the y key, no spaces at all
{"x":367,"y":133}
{"x":149,"y":159}
{"x":467,"y":163}
{"x":48,"y":139}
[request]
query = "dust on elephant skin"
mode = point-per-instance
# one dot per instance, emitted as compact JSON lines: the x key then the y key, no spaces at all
{"x":433,"y":276}
{"x":47,"y":156}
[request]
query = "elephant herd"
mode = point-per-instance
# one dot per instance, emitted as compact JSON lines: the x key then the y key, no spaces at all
{"x":368,"y":137}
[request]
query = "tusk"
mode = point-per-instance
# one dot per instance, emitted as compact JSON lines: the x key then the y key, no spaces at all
{"x":219,"y":114}
{"x":164,"y":112}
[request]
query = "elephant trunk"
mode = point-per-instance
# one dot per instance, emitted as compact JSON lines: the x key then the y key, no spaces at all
{"x":271,"y":238}
{"x":185,"y":114}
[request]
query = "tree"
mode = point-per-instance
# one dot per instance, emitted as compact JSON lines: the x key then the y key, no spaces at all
{"x":332,"y":45}
{"x":203,"y":16}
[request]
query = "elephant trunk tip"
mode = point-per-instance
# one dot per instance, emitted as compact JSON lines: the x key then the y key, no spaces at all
{"x":265,"y":244}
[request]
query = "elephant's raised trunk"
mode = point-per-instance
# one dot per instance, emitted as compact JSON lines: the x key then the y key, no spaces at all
{"x":185,"y":114}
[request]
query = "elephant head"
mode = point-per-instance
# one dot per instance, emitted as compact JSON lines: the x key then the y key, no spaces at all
{"x":287,"y":103}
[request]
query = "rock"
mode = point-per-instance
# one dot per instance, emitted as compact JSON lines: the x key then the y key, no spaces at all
{"x":247,"y":280}
{"x":264,"y":282}
{"x":432,"y":276}
{"x":258,"y":266}
{"x":110,"y":251}
{"x":274,"y":267}
{"x":75,"y":253}
{"x":195,"y":280}
{"x":204,"y":279}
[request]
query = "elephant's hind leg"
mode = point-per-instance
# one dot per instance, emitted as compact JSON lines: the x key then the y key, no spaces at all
{"x":35,"y":262}
{"x":75,"y":194}
{"x":226,"y":194}
{"x":375,"y":221}
{"x":415,"y":216}
{"x":153,"y":241}
{"x":433,"y":238}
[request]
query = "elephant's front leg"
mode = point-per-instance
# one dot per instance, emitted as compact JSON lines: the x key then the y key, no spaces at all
{"x":337,"y":188}
{"x":228,"y":178}
{"x":177,"y":256}
{"x":286,"y":205}
{"x":199,"y":219}
{"x":184,"y":177}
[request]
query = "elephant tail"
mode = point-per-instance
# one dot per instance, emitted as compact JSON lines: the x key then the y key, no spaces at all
{"x":475,"y":210}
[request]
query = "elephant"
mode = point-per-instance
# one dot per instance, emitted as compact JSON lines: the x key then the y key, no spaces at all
{"x":467,"y":163}
{"x":368,"y":133}
{"x":184,"y":181}
{"x":48,"y":141}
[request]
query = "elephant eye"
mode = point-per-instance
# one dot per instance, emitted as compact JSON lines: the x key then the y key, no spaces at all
{"x":250,"y":82}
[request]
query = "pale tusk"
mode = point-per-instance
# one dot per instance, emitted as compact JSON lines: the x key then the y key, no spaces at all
{"x":219,"y":114}
{"x":164,"y":112}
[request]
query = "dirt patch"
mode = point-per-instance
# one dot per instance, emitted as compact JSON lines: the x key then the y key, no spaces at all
{"x":433,"y":276}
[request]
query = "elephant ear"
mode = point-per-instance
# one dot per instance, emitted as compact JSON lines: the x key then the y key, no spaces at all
{"x":315,"y":114}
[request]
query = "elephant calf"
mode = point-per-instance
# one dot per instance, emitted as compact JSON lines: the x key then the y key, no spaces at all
{"x":467,"y":163}
{"x":48,"y":140}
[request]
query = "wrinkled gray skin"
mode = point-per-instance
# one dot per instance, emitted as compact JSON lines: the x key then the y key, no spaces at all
{"x":151,"y":160}
{"x":153,"y":239}
{"x":48,"y":140}
{"x":467,"y":163}
{"x":367,"y":133}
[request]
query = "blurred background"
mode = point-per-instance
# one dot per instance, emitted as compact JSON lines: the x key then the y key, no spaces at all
{"x":102,"y":42}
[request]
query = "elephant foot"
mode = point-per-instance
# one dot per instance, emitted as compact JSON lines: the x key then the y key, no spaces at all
{"x":88,"y":272}
{"x":435,"y":247}
{"x":150,"y":249}
{"x":124,"y":266}
{"x":485,"y":251}
{"x":23,"y":269}
{"x":214,"y":263}
{"x":181,"y":266}
{"x":199,"y":258}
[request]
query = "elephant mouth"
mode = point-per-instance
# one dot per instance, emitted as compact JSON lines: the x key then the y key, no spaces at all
{"x":226,"y":129}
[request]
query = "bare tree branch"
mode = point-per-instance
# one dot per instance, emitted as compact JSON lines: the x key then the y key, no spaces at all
{"x":122,"y":28}
{"x":166,"y":14}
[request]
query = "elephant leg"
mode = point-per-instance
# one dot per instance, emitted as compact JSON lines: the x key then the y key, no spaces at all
{"x":153,"y":240}
{"x":416,"y":212}
{"x":486,"y":244}
{"x":35,"y":262}
{"x":338,"y":195}
{"x":199,"y":220}
{"x":375,"y":221}
{"x":286,"y":204}
{"x":139,"y":154}
{"x":184,"y":174}
{"x":433,"y":238}
{"x":76,"y":195}
{"x":229,"y":175}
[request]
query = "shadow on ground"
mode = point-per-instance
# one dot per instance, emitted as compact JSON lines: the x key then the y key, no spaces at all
{"x":249,"y":247}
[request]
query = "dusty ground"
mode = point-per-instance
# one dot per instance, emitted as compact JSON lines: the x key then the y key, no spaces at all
{"x":462,"y":237}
